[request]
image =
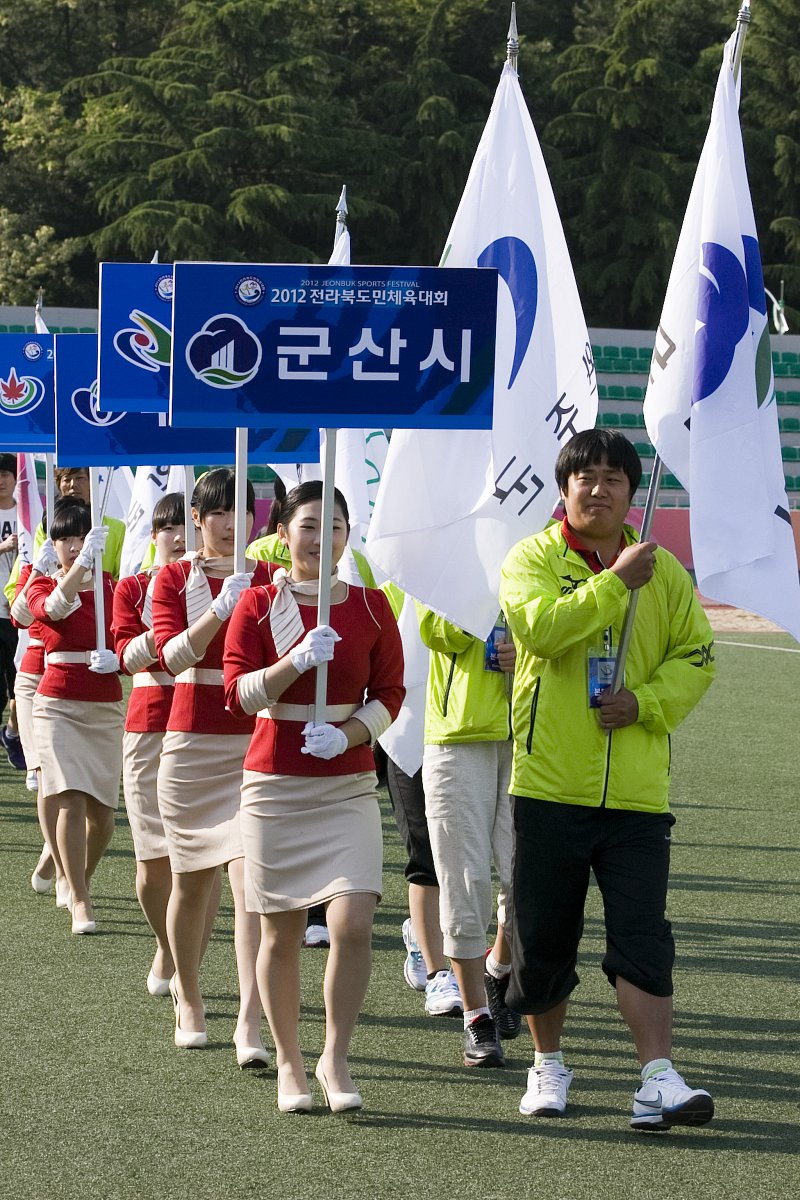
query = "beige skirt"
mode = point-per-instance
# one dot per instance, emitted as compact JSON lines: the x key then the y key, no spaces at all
{"x":307,"y":840}
{"x":140,"y":756}
{"x":24,"y":690}
{"x":199,"y":792}
{"x":80,"y":746}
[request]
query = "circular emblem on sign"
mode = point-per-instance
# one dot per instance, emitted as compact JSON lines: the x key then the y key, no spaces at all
{"x":249,"y":290}
{"x":164,"y":288}
{"x":32,"y":351}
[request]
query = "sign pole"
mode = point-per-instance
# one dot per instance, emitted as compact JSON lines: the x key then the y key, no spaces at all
{"x":97,"y":518}
{"x":49,"y":493}
{"x":188,"y":524}
{"x":325,"y":559}
{"x":240,"y":501}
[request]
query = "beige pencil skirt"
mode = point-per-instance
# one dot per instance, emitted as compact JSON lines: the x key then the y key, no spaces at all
{"x":307,"y":839}
{"x":80,"y":746}
{"x":199,"y":793}
{"x":24,"y":690}
{"x":140,"y":758}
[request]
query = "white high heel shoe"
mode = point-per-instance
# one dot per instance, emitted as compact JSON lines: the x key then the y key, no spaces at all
{"x":40,"y":885}
{"x":337,"y":1101}
{"x":157,"y":986}
{"x":184,"y":1039}
{"x":63,"y":894}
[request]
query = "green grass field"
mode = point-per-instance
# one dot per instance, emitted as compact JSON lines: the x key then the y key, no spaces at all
{"x":97,"y":1103}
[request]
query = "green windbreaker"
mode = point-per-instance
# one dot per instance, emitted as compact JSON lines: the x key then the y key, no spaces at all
{"x":464,"y":702}
{"x":557,"y":610}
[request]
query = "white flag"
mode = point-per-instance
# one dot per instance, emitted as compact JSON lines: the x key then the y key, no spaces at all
{"x":710,"y":408}
{"x":29,"y":506}
{"x":453,"y":503}
{"x":149,"y":486}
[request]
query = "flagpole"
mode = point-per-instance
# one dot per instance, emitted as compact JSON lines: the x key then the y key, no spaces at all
{"x":97,"y":518}
{"x":328,"y":465}
{"x":742,"y":22}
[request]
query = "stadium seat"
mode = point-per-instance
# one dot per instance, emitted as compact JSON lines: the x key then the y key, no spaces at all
{"x":645,"y":353}
{"x":87,"y":329}
{"x":615,"y":392}
{"x":608,"y":420}
{"x":602,"y":391}
{"x":671,"y":482}
{"x":789,"y":424}
{"x":634,"y":393}
{"x":16,"y":329}
{"x":611,"y":352}
{"x":628,"y":420}
{"x":644,"y":449}
{"x":789,"y":356}
{"x":628,"y":352}
{"x":69,"y":328}
{"x":790,"y":453}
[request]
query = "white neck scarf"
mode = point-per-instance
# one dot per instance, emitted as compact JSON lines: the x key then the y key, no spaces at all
{"x":285,"y":621}
{"x":147,"y":607}
{"x":197,"y":591}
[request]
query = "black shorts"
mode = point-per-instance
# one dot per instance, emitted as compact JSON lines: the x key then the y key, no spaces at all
{"x":408,"y":805}
{"x":8,"y":672}
{"x":555,"y":848}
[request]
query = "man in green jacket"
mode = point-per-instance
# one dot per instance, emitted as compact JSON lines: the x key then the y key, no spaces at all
{"x":590,"y":774}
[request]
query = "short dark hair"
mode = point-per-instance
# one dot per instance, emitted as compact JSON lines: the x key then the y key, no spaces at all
{"x":168,"y":511}
{"x":217,"y":489}
{"x":286,"y":504}
{"x":8,"y":462}
{"x":590,"y":447}
{"x":71,"y":518}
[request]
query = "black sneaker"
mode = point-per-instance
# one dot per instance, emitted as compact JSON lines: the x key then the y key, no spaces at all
{"x":481,"y":1044}
{"x":508,"y":1022}
{"x":13,"y":749}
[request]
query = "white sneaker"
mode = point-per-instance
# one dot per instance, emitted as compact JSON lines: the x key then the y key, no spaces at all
{"x":666,"y":1100}
{"x":317,"y":935}
{"x":548,"y":1086}
{"x":32,"y":781}
{"x":442,"y":997}
{"x":415,"y":972}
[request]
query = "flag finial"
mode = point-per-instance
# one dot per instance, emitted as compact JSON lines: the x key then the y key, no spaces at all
{"x":743,"y":19}
{"x":37,"y":308}
{"x":512,"y":45}
{"x":341,"y":214}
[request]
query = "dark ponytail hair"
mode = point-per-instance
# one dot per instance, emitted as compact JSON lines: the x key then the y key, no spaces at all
{"x":217,"y":489}
{"x":286,"y":504}
{"x":71,"y":518}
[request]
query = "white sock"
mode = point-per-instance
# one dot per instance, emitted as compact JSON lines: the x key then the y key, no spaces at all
{"x":555,"y":1056}
{"x":497,"y":969}
{"x":655,"y":1067}
{"x":472,"y":1014}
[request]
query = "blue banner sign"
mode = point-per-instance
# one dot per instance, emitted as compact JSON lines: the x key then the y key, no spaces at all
{"x":135,"y":337}
{"x":87,"y":436}
{"x":346,"y":347}
{"x":27,"y":396}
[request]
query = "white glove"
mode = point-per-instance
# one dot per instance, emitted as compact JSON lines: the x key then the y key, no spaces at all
{"x":324,"y":741}
{"x":47,"y":559}
{"x":94,"y":541}
{"x":232,"y":589}
{"x":104,"y":662}
{"x":315,"y":648}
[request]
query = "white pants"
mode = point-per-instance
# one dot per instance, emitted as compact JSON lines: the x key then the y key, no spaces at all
{"x":469,"y":822}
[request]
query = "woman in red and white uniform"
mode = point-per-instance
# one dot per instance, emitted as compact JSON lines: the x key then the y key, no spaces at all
{"x":200,"y":775}
{"x":145,"y":724}
{"x":310,"y":821}
{"x":29,"y":675}
{"x":78,"y":709}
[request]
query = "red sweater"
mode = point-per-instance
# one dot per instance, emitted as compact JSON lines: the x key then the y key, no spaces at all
{"x":367,"y":665}
{"x":73,"y":681}
{"x":148,"y":707}
{"x":33,"y":659}
{"x":196,"y":708}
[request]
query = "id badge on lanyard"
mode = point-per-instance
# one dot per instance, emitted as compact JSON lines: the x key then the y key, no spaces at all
{"x":601,"y":662}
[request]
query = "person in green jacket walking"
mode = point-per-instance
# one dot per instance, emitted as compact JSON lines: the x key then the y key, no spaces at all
{"x":590,"y":776}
